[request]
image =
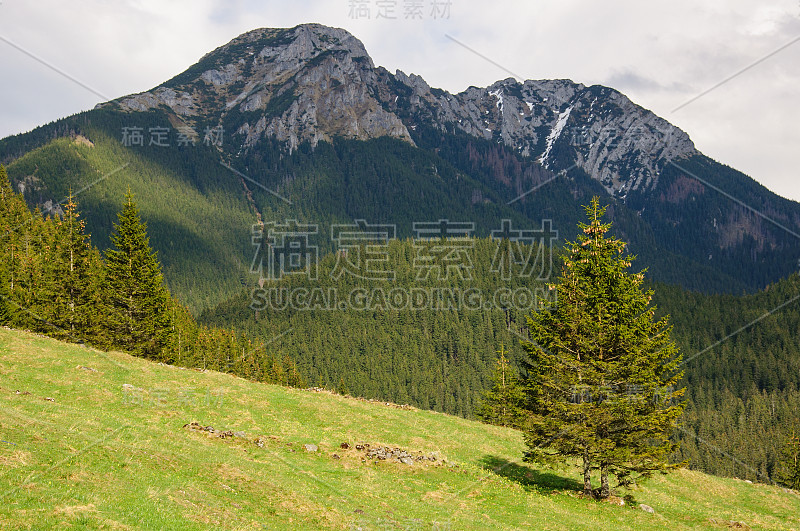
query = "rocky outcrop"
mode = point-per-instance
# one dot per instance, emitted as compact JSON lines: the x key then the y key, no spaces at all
{"x":313,"y":83}
{"x":615,"y":141}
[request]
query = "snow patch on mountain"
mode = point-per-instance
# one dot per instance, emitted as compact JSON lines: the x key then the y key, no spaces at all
{"x":499,"y":95}
{"x":554,"y":134}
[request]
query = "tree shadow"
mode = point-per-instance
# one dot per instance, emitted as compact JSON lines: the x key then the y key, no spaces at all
{"x":528,"y":478}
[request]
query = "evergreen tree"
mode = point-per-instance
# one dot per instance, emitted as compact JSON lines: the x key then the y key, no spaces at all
{"x":15,"y":221}
{"x":5,"y":257}
{"x":790,"y":475}
{"x":77,"y":271}
{"x":32,"y":278}
{"x":502,"y":405}
{"x":138,"y":300}
{"x":5,"y":301}
{"x":602,"y":371}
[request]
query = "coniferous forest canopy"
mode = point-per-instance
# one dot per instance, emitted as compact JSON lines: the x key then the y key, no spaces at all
{"x":55,"y":282}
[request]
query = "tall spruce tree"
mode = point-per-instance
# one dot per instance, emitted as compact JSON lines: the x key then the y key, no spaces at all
{"x":502,"y":405}
{"x":78,"y":273}
{"x":5,"y":294}
{"x":5,"y":255}
{"x":602,"y":372}
{"x":790,"y":475}
{"x":138,"y":317}
{"x":15,"y":219}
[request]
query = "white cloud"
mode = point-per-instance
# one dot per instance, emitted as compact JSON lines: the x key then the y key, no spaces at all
{"x":660,"y":54}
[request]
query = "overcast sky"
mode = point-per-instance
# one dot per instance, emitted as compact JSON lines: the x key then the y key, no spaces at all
{"x":660,"y":54}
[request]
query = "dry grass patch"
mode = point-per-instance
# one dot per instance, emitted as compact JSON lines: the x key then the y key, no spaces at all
{"x":16,"y":459}
{"x":73,"y":511}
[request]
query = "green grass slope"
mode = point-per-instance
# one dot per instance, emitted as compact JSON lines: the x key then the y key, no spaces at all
{"x":96,"y":440}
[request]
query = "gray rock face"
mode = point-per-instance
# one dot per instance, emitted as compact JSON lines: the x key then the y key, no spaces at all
{"x":312,"y":82}
{"x":615,"y":141}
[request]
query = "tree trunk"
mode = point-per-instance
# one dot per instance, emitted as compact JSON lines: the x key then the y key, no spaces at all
{"x":605,"y":491}
{"x":587,"y":474}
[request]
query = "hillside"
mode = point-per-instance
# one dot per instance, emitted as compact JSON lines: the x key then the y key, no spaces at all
{"x":96,"y":440}
{"x":742,"y":384}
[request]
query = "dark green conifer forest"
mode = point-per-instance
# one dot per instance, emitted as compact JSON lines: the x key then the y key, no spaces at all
{"x":55,"y":282}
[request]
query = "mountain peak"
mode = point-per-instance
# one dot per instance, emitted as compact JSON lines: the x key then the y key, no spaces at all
{"x":314,"y":82}
{"x":302,"y":42}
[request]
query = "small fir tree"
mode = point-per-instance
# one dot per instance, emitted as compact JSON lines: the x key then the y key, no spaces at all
{"x":502,"y":404}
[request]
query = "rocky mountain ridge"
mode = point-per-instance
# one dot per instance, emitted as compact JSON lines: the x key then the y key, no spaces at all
{"x":312,"y":82}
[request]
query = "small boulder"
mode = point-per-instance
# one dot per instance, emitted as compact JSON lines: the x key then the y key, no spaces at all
{"x":615,"y":500}
{"x":646,"y":508}
{"x":310,"y":447}
{"x":239,"y":434}
{"x":344,"y":446}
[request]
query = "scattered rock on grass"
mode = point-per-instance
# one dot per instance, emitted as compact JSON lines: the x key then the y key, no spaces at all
{"x":615,"y":500}
{"x":310,"y":447}
{"x":733,"y":524}
{"x":196,"y":426}
{"x":646,"y":508}
{"x":385,"y":453}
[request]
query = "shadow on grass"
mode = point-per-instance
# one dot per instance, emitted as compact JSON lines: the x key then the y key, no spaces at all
{"x":529,"y":478}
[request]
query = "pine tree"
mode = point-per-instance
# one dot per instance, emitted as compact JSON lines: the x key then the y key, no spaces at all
{"x":5,"y":301}
{"x":77,"y":270}
{"x":790,"y":475}
{"x":138,"y":299}
{"x":602,"y":371}
{"x":32,"y":278}
{"x":15,"y":221}
{"x":502,"y":404}
{"x":5,"y":257}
